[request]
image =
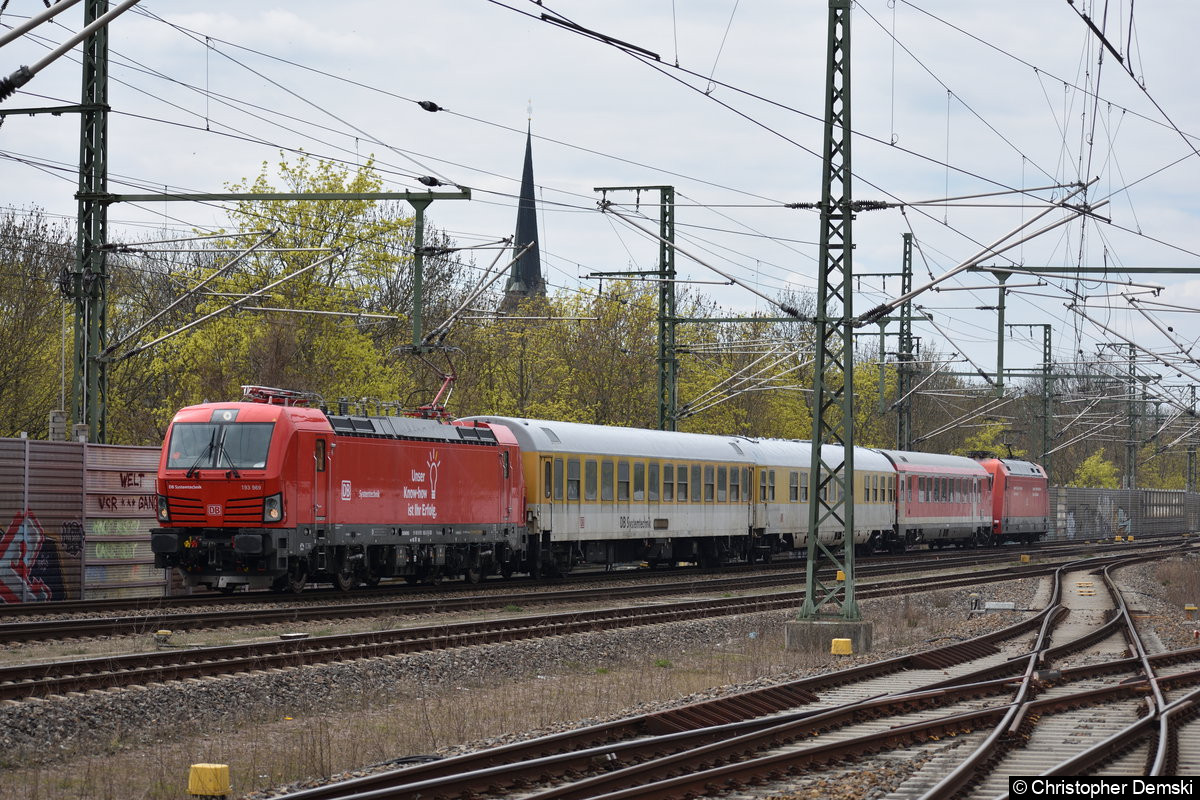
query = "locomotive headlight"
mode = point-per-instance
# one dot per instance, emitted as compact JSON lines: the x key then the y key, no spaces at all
{"x":164,"y":511}
{"x":273,"y":508}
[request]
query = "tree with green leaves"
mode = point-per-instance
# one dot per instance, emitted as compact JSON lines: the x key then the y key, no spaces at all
{"x":1097,"y":472}
{"x":34,"y":363}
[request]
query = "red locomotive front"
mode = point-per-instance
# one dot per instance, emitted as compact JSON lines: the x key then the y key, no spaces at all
{"x":1020,"y":499}
{"x":263,"y":494}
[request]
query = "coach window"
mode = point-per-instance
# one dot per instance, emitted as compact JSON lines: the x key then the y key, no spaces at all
{"x":710,"y":489}
{"x":573,"y":479}
{"x":668,"y":483}
{"x":652,"y":481}
{"x":606,"y":481}
{"x":891,"y":488}
{"x":639,"y":480}
{"x":722,"y":477}
{"x":762,"y":486}
{"x":558,"y":479}
{"x":589,"y":480}
{"x":547,"y":481}
{"x":921,"y":489}
{"x":771,"y":486}
{"x":696,"y":483}
{"x":623,"y":481}
{"x":747,"y":487}
{"x":803,"y":487}
{"x":793,"y":487}
{"x":735,"y":487}
{"x":681,"y":496}
{"x":866,"y":489}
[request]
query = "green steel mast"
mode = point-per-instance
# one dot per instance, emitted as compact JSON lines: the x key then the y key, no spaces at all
{"x":833,"y":382}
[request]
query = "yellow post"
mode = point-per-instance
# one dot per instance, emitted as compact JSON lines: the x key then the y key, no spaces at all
{"x":209,"y":780}
{"x":1190,"y":610}
{"x":841,"y":576}
{"x":841,"y":647}
{"x":1025,"y":558}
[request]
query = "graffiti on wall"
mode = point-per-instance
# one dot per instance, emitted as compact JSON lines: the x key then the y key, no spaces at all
{"x":30,"y":562}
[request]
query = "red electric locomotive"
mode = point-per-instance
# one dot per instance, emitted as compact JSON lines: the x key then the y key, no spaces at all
{"x":270,"y":493}
{"x":1020,"y":500}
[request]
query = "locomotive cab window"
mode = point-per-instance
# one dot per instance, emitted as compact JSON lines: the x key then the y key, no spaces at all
{"x":217,"y":445}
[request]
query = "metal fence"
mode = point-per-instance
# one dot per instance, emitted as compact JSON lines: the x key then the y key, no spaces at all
{"x":1089,"y":514}
{"x":75,"y":521}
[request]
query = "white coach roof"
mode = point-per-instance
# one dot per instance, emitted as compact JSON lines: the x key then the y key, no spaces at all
{"x":575,"y":437}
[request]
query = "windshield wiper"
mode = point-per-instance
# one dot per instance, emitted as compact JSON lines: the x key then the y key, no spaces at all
{"x":233,"y":470}
{"x":195,"y":467}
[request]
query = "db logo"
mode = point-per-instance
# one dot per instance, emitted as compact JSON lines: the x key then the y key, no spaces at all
{"x":214,"y":510}
{"x":345,"y":490}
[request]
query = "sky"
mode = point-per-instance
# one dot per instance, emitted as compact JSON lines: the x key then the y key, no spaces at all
{"x":1004,"y":103}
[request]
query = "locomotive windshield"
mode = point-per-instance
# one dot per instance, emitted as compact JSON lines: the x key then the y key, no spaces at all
{"x":211,"y":445}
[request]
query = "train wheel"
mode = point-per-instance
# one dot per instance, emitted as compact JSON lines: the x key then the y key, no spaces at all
{"x":473,"y":574}
{"x":344,"y":581}
{"x":293,"y":581}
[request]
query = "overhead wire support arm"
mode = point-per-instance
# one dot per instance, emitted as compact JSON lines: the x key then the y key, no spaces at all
{"x":633,"y":49}
{"x":35,"y":20}
{"x":1000,"y":245}
{"x":790,"y":310}
{"x":25,"y":74}
{"x":434,"y":337}
{"x":233,"y":262}
{"x":235,"y":304}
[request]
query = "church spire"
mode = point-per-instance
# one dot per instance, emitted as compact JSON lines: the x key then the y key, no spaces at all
{"x":525,"y":279}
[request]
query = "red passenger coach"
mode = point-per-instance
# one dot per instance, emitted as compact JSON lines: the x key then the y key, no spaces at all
{"x":941,"y":500}
{"x":1020,"y":500}
{"x":265,"y":494}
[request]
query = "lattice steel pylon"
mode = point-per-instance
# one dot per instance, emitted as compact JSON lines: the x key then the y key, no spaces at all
{"x":87,"y":283}
{"x":833,"y":382}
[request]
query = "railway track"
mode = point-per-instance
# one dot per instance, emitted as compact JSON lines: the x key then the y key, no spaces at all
{"x":1071,"y":688}
{"x":49,"y":629}
{"x":76,"y":675}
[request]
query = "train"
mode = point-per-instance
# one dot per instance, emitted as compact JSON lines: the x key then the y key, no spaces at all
{"x":271,"y":492}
